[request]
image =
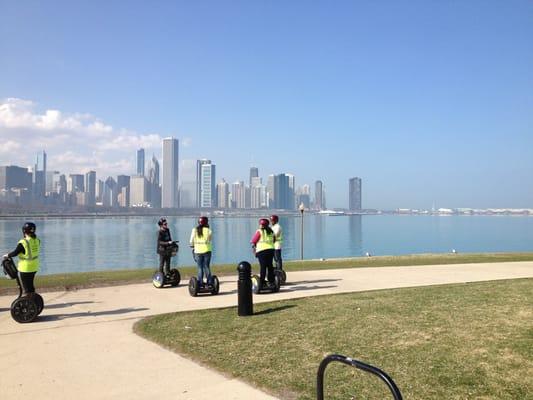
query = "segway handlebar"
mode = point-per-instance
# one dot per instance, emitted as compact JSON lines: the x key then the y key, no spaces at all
{"x":359,"y":365}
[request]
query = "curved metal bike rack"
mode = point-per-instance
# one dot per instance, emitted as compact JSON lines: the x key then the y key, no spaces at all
{"x":359,"y":365}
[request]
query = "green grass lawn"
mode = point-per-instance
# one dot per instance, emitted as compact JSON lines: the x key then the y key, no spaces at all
{"x":119,"y":277}
{"x":463,"y":341}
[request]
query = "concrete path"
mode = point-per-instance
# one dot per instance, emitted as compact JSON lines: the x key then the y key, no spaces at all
{"x":82,"y":346}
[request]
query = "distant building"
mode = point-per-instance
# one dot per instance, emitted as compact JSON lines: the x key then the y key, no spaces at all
{"x":138,"y":191}
{"x":258,"y":196}
{"x":223,"y":194}
{"x":153,"y":181}
{"x":319,"y":196}
{"x":39,"y":177}
{"x":123,"y":190}
{"x":283,"y":192}
{"x":254,"y":173}
{"x":99,"y":190}
{"x":140,"y":162}
{"x":110,"y":197}
{"x":15,"y":177}
{"x":90,"y":188}
{"x":207,"y":185}
{"x":188,"y":184}
{"x":199,"y":183}
{"x":354,"y":194}
{"x":170,"y":183}
{"x":76,"y":183}
{"x":238,"y":195}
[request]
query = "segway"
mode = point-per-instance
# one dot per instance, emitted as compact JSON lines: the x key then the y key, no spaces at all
{"x":267,"y":287}
{"x":173,"y":278}
{"x":212,"y":286}
{"x":24,"y":308}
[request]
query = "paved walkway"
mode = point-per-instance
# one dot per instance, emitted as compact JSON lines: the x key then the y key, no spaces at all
{"x":82,"y":346}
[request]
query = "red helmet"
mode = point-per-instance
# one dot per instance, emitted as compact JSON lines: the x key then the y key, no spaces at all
{"x":263,"y":222}
{"x":274,"y":219}
{"x":203,"y":221}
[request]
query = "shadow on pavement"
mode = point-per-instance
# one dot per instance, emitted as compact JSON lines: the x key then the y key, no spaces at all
{"x":58,"y":317}
{"x":271,"y":310}
{"x":314,"y":281}
{"x":314,"y":287}
{"x":69,"y":304}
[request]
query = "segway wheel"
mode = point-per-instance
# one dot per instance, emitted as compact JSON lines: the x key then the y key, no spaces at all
{"x":24,"y":309}
{"x":158,"y":279}
{"x":277,"y":284}
{"x":256,"y":284}
{"x":37,"y":298}
{"x":193,"y":286}
{"x":215,"y":284}
{"x":175,"y":277}
{"x":282,"y":276}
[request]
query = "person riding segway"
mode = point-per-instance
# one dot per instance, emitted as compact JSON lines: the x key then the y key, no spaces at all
{"x":263,"y":248}
{"x":166,"y":248}
{"x":201,"y":244}
{"x":29,"y":304}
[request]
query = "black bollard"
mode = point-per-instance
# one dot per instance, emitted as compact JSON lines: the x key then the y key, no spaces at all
{"x":244,"y":289}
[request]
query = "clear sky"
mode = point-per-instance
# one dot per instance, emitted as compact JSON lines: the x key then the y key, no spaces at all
{"x":426,"y":101}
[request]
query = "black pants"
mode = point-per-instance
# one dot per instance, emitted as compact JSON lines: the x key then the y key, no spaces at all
{"x":26,"y":281}
{"x":164,"y":264}
{"x":265,"y":258}
{"x":277,"y":259}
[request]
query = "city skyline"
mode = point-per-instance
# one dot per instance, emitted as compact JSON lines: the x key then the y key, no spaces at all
{"x":428,"y":102}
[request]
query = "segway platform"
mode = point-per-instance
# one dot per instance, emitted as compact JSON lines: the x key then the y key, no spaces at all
{"x":212,"y":287}
{"x":24,"y":308}
{"x":267,"y":287}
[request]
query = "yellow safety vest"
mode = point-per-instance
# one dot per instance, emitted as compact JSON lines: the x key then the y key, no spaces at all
{"x":265,"y":242}
{"x":202,"y":244}
{"x":279,"y":236}
{"x":29,"y":261}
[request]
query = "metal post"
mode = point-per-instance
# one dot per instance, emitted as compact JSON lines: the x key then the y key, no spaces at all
{"x":396,"y":394}
{"x":244,"y":289}
{"x":301,"y":208}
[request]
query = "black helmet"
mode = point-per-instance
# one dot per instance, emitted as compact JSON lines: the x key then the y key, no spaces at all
{"x":161,"y":221}
{"x":203,"y":221}
{"x":29,"y":228}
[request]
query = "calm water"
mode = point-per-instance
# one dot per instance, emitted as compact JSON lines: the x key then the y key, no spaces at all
{"x":76,"y":245}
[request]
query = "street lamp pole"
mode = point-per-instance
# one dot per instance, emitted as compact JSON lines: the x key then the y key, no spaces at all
{"x":301,"y":208}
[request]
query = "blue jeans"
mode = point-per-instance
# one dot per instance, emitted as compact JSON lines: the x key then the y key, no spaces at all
{"x":202,"y":261}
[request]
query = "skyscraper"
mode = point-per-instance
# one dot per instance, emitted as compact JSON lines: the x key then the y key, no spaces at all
{"x":188,"y":184}
{"x":39,"y":176}
{"x":140,"y":162}
{"x":90,"y":188}
{"x":199,"y":164}
{"x":123,"y":190}
{"x":223,"y":194}
{"x":207,"y":185}
{"x":283,"y":195}
{"x":138,"y":191}
{"x":254,"y":173}
{"x":170,"y":186}
{"x":238,"y":195}
{"x":354,"y":194}
{"x":319,"y":196}
{"x":76,"y":183}
{"x":153,"y":180}
{"x":15,"y":177}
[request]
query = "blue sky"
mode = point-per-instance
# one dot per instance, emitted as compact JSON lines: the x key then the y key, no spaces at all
{"x":426,"y":101}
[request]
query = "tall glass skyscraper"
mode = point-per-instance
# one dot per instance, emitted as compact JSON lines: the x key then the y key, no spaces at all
{"x":170,"y":183}
{"x":354,"y":194}
{"x":207,"y":184}
{"x":140,"y":162}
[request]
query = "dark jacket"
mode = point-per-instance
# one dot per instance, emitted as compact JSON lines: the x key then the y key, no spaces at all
{"x":163,"y":236}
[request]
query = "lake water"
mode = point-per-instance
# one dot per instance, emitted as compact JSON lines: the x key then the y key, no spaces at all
{"x":92,"y":244}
